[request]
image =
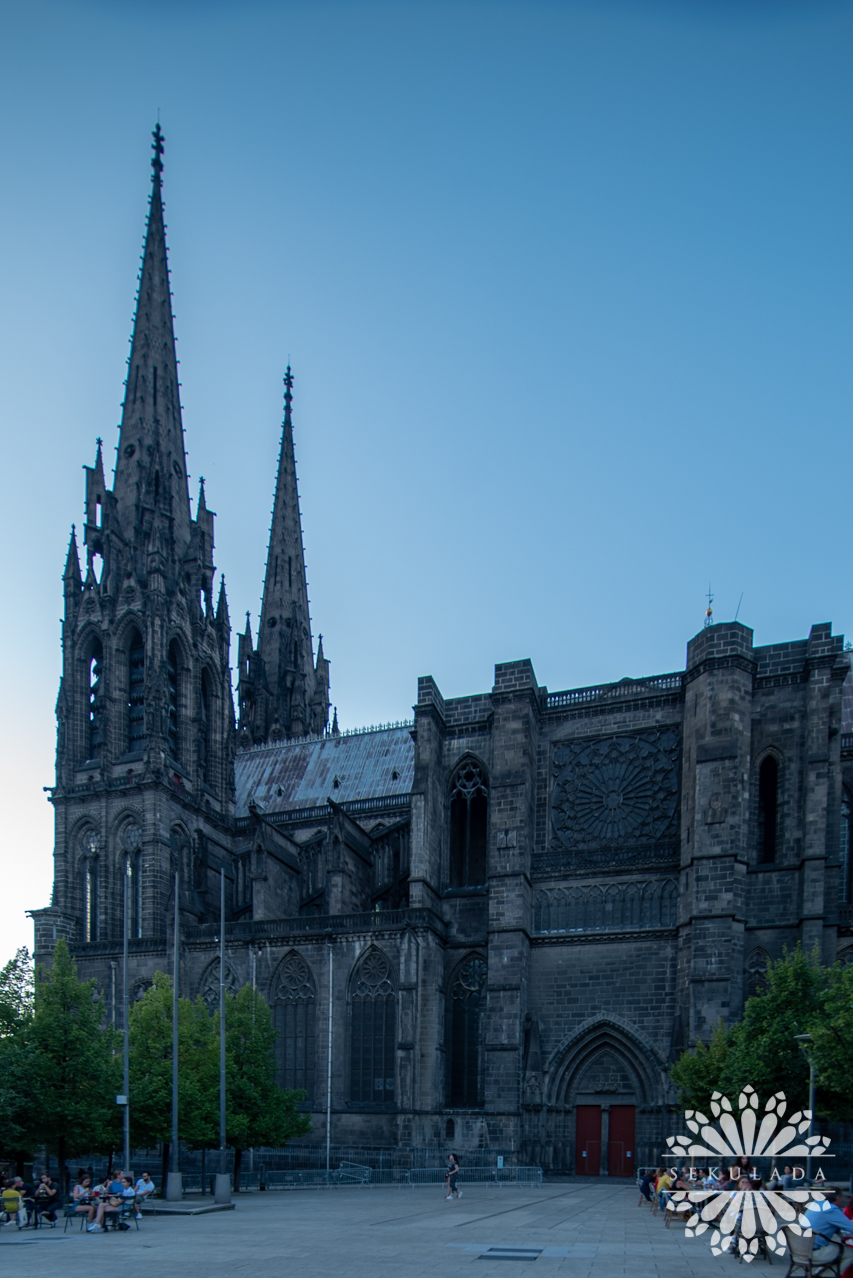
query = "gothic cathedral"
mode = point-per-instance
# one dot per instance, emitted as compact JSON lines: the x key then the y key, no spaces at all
{"x":519,"y":906}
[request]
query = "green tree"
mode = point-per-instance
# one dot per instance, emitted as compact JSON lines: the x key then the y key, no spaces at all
{"x":698,"y":1073}
{"x":800,"y":997}
{"x":16,"y":1098}
{"x":151,"y":1070}
{"x":74,"y":1072}
{"x":258,"y":1111}
{"x":832,"y":1045}
{"x":764,"y":1049}
{"x":17,"y":993}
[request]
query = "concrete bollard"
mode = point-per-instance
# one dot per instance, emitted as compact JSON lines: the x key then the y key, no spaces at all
{"x":174,"y":1187}
{"x":222,"y":1192}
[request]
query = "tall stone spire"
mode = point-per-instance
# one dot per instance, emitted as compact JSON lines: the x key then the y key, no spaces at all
{"x":151,"y":470}
{"x":282,"y":693}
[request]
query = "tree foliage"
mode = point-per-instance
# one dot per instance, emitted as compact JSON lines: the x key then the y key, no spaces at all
{"x":151,"y":1069}
{"x":61,"y":1068}
{"x":73,"y":1070}
{"x":17,"y":993}
{"x":258,"y":1111}
{"x":800,"y":997}
{"x":16,"y":1013}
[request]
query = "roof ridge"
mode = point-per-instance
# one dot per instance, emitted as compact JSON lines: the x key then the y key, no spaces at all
{"x":311,"y":737}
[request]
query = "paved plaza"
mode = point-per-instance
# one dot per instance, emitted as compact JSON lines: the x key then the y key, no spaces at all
{"x":575,"y":1228}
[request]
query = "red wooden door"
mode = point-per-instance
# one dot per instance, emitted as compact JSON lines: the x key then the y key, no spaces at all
{"x":620,"y":1141}
{"x":588,"y":1140}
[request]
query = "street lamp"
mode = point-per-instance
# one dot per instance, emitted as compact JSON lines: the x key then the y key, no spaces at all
{"x":803,"y":1039}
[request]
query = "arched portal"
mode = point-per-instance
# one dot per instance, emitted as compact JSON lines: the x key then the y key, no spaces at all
{"x":605,"y":1100}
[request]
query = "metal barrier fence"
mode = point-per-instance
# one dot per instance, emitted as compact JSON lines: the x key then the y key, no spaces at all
{"x":355,"y":1174}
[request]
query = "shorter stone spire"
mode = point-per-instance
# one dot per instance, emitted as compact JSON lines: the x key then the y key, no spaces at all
{"x":280,"y":683}
{"x":72,"y":576}
{"x":223,"y":621}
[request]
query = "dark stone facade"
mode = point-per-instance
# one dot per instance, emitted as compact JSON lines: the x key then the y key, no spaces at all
{"x":520,"y":906}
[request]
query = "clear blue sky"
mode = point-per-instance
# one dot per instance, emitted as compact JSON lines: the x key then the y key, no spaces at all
{"x":566,"y":289}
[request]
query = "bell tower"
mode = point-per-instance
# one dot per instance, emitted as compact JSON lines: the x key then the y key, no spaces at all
{"x":145,"y":744}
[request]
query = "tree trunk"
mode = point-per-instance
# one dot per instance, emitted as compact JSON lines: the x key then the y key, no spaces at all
{"x":238,"y":1158}
{"x":164,"y":1169}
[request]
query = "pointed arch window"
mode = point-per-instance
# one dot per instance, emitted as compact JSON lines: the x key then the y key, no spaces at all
{"x":136,"y":692}
{"x":768,"y":794}
{"x":846,"y":876}
{"x":95,"y":670}
{"x":131,"y":843}
{"x":206,"y":724}
{"x":469,"y":816}
{"x":295,"y":1014}
{"x":756,"y":971}
{"x":173,"y":678}
{"x":669,"y":904}
{"x":89,"y":868}
{"x":464,"y":1089}
{"x":373,"y":1031}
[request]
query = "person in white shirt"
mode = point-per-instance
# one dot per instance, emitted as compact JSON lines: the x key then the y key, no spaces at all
{"x":144,"y":1188}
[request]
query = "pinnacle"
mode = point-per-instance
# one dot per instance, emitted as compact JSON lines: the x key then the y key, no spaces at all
{"x":151,"y":462}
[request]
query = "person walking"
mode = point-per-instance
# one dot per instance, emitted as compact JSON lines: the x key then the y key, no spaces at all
{"x":452,"y":1177}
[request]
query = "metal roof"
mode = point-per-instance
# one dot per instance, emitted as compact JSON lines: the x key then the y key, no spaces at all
{"x":302,"y":774}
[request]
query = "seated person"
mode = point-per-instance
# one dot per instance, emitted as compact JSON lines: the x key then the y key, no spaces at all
{"x":829,"y":1224}
{"x":109,"y":1205}
{"x":663,"y":1184}
{"x":46,"y":1198}
{"x":144,"y":1190}
{"x":646,"y":1182}
{"x":128,"y":1197}
{"x":84,"y":1198}
{"x":13,"y":1204}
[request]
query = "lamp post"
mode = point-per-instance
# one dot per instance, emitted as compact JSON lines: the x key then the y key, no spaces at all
{"x":174,"y":1184}
{"x":125,"y":1055}
{"x":329,"y":1060}
{"x":804,"y":1039}
{"x":222,"y":1189}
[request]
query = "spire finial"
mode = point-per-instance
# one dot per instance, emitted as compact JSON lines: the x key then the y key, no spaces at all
{"x":709,"y":611}
{"x":157,"y":146}
{"x":288,"y":391}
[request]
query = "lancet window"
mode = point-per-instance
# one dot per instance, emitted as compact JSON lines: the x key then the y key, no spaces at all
{"x":469,"y":816}
{"x":136,"y":692}
{"x":95,"y":701}
{"x":373,"y":1031}
{"x":173,"y":675}
{"x":845,"y":894}
{"x":295,"y":1011}
{"x":465,"y":1008}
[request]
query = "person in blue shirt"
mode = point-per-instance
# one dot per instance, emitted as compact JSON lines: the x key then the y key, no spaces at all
{"x":827,"y":1221}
